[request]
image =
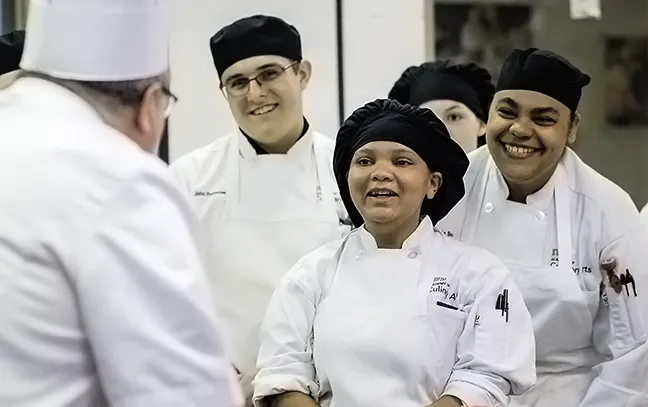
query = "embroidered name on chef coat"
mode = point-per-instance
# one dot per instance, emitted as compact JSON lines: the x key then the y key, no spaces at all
{"x":206,"y":193}
{"x":440,"y":285}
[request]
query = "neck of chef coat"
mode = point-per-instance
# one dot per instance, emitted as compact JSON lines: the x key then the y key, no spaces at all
{"x":541,"y":199}
{"x":300,"y":153}
{"x":412,"y":243}
{"x":260,"y":150}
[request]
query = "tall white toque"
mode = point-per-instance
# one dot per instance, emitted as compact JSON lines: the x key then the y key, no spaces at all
{"x":98,"y":40}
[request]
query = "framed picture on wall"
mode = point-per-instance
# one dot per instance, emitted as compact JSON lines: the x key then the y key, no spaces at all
{"x":484,"y":32}
{"x":626,"y":81}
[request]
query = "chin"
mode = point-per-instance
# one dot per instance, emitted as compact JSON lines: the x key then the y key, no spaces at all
{"x":517,"y":175}
{"x":379,"y":216}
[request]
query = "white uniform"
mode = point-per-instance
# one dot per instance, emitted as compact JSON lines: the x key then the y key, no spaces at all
{"x":103,"y":293}
{"x":261,"y":214}
{"x":591,"y":343}
{"x":644,"y":215}
{"x":353,"y":325}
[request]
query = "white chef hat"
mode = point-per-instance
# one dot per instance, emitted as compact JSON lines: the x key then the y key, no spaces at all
{"x":98,"y":40}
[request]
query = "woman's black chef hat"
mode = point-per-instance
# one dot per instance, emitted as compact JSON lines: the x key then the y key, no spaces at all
{"x":411,"y":126}
{"x":466,"y":83}
{"x":544,"y":72}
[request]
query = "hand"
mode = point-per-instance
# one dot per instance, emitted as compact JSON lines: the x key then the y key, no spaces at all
{"x":447,"y":401}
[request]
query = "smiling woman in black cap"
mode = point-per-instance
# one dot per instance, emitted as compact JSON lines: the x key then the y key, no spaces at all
{"x":458,"y":93}
{"x":396,"y":314}
{"x":560,"y":227}
{"x":11,"y":49}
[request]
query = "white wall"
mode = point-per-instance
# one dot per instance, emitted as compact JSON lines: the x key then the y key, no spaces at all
{"x":382,"y":37}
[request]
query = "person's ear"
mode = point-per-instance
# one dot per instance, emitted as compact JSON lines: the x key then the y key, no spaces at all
{"x":573,"y":129}
{"x":304,"y":72}
{"x":436,"y":179}
{"x":482,"y":128}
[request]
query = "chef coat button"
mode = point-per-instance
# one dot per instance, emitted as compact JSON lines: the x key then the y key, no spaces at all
{"x":488,"y":207}
{"x":359,"y":255}
{"x":412,"y":255}
{"x":540,"y":215}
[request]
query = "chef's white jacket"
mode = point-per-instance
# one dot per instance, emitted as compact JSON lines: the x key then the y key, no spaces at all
{"x":354,"y":325}
{"x":591,"y":339}
{"x":644,"y":215}
{"x":260,"y":214}
{"x":104,"y":297}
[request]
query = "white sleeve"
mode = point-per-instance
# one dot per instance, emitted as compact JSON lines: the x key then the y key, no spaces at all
{"x":619,"y":330}
{"x":495,"y":355}
{"x":145,"y":304}
{"x":285,"y":359}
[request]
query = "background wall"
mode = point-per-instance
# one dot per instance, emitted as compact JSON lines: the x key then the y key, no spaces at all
{"x":618,"y":153}
{"x":381,"y":38}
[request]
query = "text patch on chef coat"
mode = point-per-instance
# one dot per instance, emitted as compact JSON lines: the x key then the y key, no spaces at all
{"x":440,"y":285}
{"x":442,"y":296}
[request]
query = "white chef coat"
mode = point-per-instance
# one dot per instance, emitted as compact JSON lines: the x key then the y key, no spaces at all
{"x":261,"y":213}
{"x":354,"y":325}
{"x":591,"y":342}
{"x":644,"y":215}
{"x":103,"y":292}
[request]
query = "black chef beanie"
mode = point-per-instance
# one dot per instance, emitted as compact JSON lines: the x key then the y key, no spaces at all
{"x":11,"y":49}
{"x":545,"y":72}
{"x":254,"y":36}
{"x":467,"y":83}
{"x":411,"y":126}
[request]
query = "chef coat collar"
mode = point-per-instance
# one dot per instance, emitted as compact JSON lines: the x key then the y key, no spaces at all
{"x":300,"y":152}
{"x":413,"y":243}
{"x":540,"y":199}
{"x":259,"y":149}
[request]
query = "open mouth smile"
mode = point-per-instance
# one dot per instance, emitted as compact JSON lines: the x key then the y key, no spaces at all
{"x":519,"y":152}
{"x":260,"y":111}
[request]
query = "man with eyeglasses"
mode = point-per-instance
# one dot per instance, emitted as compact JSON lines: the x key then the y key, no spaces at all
{"x":265,"y":193}
{"x":104,"y":295}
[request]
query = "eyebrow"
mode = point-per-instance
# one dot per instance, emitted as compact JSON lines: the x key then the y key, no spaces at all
{"x":258,"y":69}
{"x":453,"y":107}
{"x":535,"y":110}
{"x":397,"y":151}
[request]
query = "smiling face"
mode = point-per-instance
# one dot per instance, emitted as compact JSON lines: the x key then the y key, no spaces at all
{"x":526,"y":134}
{"x":388,"y":183}
{"x":464,"y":126}
{"x":272,"y":112}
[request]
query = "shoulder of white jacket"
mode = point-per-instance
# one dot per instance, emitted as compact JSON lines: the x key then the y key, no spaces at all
{"x":476,"y":159}
{"x":203,"y":155}
{"x":468,"y":256}
{"x":312,"y":266}
{"x":324,"y":140}
{"x":587,"y":182}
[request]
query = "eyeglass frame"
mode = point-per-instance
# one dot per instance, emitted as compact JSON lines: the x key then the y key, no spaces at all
{"x":173,"y":99}
{"x":255,"y":78}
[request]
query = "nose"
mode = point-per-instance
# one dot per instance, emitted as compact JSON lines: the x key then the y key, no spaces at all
{"x":256,"y":90}
{"x":382,"y":172}
{"x":521,"y":129}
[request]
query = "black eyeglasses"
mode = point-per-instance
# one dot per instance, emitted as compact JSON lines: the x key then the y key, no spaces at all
{"x":239,"y":87}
